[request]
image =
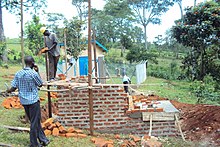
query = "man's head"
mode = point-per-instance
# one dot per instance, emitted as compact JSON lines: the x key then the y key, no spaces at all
{"x":44,"y":31}
{"x":29,"y":61}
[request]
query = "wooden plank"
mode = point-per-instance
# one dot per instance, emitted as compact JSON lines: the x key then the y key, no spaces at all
{"x":178,"y":123}
{"x":151,"y":119}
{"x":158,"y":116}
{"x":130,"y":103}
{"x":17,"y":128}
{"x":5,"y":145}
{"x":55,"y":90}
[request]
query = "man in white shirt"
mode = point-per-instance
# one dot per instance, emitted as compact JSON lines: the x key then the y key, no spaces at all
{"x":126,"y":80}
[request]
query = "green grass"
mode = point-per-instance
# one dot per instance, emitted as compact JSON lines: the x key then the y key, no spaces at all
{"x":5,"y":73}
{"x":173,"y":90}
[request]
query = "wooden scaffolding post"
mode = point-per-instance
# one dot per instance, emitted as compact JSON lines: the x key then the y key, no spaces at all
{"x":95,"y":62}
{"x":151,"y":121}
{"x":22,"y":35}
{"x":65,"y":51}
{"x":48,"y":87}
{"x":179,"y":127}
{"x":91,"y":115}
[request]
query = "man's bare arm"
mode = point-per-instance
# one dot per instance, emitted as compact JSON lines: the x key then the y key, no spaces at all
{"x":12,"y":89}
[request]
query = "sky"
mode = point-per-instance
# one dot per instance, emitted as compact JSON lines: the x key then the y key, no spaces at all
{"x":12,"y":28}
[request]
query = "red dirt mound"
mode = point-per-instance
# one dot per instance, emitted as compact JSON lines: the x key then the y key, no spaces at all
{"x":200,"y":122}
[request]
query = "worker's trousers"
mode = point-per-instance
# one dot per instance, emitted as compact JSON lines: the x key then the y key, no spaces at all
{"x":53,"y":60}
{"x":36,"y":132}
{"x":125,"y":87}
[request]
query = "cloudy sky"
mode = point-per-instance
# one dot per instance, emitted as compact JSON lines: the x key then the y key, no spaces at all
{"x":12,"y":28}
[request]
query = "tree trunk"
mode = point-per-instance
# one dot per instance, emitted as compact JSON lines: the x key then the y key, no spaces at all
{"x":145,"y":36}
{"x":194,"y":3}
{"x":145,"y":30}
{"x":2,"y":37}
{"x":194,"y":75}
{"x":181,"y":8}
{"x":202,"y":66}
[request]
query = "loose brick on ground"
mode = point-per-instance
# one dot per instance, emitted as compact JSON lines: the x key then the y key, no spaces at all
{"x":71,"y":135}
{"x":70,"y":130}
{"x":47,"y":132}
{"x":12,"y":102}
{"x":55,"y":132}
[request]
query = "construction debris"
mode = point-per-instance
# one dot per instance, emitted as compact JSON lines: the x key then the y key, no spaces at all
{"x":150,"y":141}
{"x":61,"y":76}
{"x":142,"y":103}
{"x":101,"y":142}
{"x":45,"y":113}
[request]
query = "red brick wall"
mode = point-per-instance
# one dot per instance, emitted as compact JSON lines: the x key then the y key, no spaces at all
{"x":110,"y":105}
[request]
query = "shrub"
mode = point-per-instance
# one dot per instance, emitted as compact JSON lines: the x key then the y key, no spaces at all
{"x":205,"y":90}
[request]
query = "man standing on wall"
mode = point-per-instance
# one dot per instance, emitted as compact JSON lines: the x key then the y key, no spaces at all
{"x":53,"y":49}
{"x":126,"y":80}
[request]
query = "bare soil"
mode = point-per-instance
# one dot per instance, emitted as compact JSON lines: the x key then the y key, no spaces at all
{"x":200,"y":122}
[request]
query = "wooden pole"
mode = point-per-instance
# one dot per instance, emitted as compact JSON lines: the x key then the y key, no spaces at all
{"x":22,"y":45}
{"x":48,"y":78}
{"x":151,"y":119}
{"x":177,"y":121}
{"x":90,"y":71}
{"x":65,"y":51}
{"x":95,"y":63}
{"x":22,"y":36}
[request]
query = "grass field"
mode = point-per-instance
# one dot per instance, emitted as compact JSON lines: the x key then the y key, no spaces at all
{"x":173,"y":90}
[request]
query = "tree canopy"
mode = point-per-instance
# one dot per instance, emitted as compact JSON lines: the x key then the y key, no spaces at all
{"x":13,"y":6}
{"x":149,"y":11}
{"x":200,"y":30}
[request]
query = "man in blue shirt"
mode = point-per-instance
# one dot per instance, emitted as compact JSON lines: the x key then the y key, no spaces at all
{"x":27,"y":82}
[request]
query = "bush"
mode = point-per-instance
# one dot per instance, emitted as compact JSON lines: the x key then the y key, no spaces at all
{"x":171,"y":72}
{"x":205,"y":90}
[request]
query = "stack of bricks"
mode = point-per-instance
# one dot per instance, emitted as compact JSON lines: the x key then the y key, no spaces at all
{"x":12,"y":102}
{"x":110,"y":107}
{"x":52,"y":127}
{"x":80,"y":79}
{"x":141,"y":103}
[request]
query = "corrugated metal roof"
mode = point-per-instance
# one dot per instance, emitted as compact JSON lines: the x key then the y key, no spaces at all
{"x":100,"y":45}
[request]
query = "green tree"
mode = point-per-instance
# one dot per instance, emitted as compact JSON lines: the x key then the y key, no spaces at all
{"x":13,"y":6}
{"x":33,"y":35}
{"x":54,"y":20}
{"x":138,"y":53}
{"x":75,"y":42}
{"x":200,"y":30}
{"x":158,"y":42}
{"x":121,"y":18}
{"x":81,"y":7}
{"x":104,"y":27}
{"x":149,"y":11}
